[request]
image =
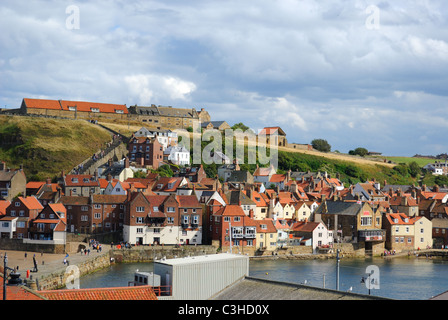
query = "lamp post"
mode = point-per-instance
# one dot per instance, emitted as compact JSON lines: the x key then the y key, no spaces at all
{"x":337,"y":269}
{"x":5,"y":263}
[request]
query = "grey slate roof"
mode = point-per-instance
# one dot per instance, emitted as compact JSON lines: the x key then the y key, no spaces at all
{"x":260,"y":289}
{"x":340,"y":208}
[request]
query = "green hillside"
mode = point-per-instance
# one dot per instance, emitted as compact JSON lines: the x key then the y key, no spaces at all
{"x":46,"y":146}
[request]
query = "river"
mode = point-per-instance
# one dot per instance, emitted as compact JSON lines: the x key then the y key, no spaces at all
{"x":398,"y":278}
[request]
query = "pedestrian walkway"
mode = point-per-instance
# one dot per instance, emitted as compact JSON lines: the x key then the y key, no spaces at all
{"x":47,"y":263}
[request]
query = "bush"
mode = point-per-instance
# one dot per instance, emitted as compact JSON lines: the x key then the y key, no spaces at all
{"x":321,"y":145}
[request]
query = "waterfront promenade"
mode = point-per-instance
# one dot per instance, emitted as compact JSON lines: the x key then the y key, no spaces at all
{"x":47,"y":263}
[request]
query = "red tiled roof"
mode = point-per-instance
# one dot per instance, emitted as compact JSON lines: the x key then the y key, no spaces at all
{"x":188,"y":201}
{"x":119,"y":293}
{"x":18,"y":292}
{"x":31,"y":203}
{"x":82,"y":180}
{"x":271,"y":130}
{"x":305,"y":226}
{"x":400,"y":219}
{"x":34,"y":184}
{"x":269,"y":223}
{"x":84,"y":106}
{"x":42,"y":104}
{"x":277,"y":178}
{"x":231,"y":210}
{"x":3,"y":205}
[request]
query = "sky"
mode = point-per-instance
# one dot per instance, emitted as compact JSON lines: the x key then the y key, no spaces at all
{"x":370,"y":74}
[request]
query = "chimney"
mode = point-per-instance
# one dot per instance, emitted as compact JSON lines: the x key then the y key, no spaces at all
{"x":126,"y":162}
{"x":109,"y":177}
{"x":2,"y":166}
{"x":48,"y":181}
{"x":436,"y":188}
{"x":109,"y":162}
{"x":251,"y":213}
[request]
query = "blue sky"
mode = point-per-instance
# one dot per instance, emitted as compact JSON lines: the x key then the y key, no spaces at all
{"x":357,"y":73}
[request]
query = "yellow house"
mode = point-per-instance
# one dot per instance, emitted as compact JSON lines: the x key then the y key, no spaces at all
{"x":302,"y":211}
{"x":266,"y":235}
{"x":422,"y":233}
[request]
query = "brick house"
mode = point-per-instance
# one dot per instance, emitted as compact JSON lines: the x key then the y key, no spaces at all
{"x":162,"y":219}
{"x":50,"y":224}
{"x":81,"y":185}
{"x":19,"y":215}
{"x":230,"y":227}
{"x":96,"y":213}
{"x":145,"y":151}
{"x":12,"y":182}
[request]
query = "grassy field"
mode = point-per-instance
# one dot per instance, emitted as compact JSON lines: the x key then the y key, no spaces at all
{"x":45,"y":146}
{"x":420,"y":161}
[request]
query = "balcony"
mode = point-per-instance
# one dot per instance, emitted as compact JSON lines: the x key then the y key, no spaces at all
{"x":372,"y":235}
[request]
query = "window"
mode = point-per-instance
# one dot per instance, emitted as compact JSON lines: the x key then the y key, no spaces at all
{"x":366,"y":221}
{"x":237,"y":219}
{"x":195,"y":219}
{"x":170,"y":220}
{"x":171,"y":209}
{"x":84,"y":208}
{"x":97,"y":206}
{"x":84,"y":218}
{"x":97,"y":215}
{"x":13,"y":213}
{"x":17,"y":204}
{"x":140,"y":230}
{"x":185,"y":219}
{"x":139,"y":220}
{"x":226,"y":219}
{"x":20,"y":224}
{"x":155,"y":209}
{"x":140,"y":209}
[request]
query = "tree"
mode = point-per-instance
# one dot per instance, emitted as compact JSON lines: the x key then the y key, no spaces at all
{"x":361,"y":151}
{"x":414,"y":169}
{"x":321,"y":145}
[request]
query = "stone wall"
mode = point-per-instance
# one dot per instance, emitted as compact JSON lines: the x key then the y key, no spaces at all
{"x":58,"y":279}
{"x":20,"y":245}
{"x":148,"y":254}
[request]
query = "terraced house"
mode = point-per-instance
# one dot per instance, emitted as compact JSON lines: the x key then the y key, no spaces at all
{"x":163,"y":219}
{"x":73,"y":109}
{"x":168,"y":117}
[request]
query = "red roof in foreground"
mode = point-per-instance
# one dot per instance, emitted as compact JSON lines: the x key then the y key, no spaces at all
{"x":119,"y":293}
{"x":18,"y":292}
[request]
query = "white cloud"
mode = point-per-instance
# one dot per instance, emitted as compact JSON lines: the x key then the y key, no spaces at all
{"x":154,"y":89}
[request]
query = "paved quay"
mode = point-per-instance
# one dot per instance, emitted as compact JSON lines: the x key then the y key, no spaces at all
{"x":47,"y":263}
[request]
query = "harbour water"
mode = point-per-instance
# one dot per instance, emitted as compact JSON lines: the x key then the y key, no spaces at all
{"x":399,"y":278}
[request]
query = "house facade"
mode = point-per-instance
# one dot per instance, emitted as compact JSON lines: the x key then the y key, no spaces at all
{"x":163,"y":219}
{"x":316,"y":232}
{"x":12,"y":182}
{"x":145,"y":152}
{"x":19,"y":216}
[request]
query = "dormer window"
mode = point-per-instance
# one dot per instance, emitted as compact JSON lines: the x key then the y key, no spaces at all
{"x":119,"y":111}
{"x":71,"y":108}
{"x":75,"y":180}
{"x":17,"y":204}
{"x":95,"y":109}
